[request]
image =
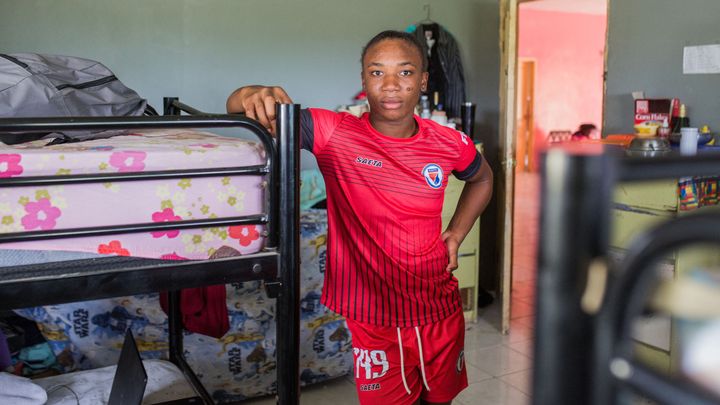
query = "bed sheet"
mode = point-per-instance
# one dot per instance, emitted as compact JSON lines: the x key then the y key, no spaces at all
{"x":114,"y":203}
{"x":239,"y":365}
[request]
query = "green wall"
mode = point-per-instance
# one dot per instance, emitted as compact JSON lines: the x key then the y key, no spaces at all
{"x":645,"y":52}
{"x":202,"y":50}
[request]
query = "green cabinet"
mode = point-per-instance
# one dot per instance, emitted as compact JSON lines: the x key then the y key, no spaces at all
{"x":468,"y":263}
{"x":638,"y":207}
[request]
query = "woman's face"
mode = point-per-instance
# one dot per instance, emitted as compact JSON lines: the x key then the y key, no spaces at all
{"x":393,"y":79}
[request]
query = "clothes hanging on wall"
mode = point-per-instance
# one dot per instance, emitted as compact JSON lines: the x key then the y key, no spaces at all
{"x":445,"y":66}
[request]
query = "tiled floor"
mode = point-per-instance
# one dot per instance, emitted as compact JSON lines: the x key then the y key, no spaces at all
{"x":498,"y":368}
{"x":498,"y":365}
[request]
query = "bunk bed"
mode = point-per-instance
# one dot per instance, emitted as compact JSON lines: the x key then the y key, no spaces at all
{"x":589,"y":296}
{"x":272,"y":256}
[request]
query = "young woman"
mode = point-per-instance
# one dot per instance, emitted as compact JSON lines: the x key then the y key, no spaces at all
{"x":389,"y":264}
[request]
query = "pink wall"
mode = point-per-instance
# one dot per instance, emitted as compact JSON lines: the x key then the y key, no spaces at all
{"x":568,"y":50}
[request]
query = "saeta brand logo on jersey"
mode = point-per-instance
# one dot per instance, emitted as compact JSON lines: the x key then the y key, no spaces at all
{"x":369,"y":162}
{"x":370,"y":387}
{"x":433,"y":175}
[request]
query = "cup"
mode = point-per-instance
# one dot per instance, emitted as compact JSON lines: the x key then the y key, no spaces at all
{"x":688,"y":141}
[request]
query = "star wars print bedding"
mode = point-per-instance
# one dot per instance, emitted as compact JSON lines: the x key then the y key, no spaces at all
{"x":89,"y":334}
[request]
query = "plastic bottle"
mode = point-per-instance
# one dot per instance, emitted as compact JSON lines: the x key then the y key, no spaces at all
{"x":425,"y":107}
{"x":664,"y":130}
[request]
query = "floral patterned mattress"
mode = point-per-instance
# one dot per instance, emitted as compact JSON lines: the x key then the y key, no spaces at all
{"x":115,"y":203}
{"x":89,"y":334}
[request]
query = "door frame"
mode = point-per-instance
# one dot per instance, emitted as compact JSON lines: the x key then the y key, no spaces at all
{"x":508,"y":122}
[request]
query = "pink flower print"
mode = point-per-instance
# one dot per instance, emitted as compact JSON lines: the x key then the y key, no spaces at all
{"x":166,"y":215}
{"x":173,"y":256}
{"x":113,"y":248}
{"x":128,"y":161}
{"x":205,"y":145}
{"x":10,"y":165}
{"x":40,"y":214}
{"x":245,"y":234}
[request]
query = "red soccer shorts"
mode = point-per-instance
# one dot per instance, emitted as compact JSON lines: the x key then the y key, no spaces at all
{"x":400,"y":365}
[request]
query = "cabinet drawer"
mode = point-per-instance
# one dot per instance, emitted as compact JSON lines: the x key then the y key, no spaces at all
{"x":653,"y":357}
{"x":452,"y":196}
{"x":653,"y":330}
{"x":659,"y":195}
{"x":467,"y":270}
{"x":628,"y":222}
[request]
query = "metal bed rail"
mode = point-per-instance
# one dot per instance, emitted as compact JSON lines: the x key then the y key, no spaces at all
{"x":277,"y":264}
{"x":581,"y":358}
{"x":625,"y":301}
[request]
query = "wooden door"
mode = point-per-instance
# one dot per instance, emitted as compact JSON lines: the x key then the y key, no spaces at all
{"x":525,"y":116}
{"x":508,"y":120}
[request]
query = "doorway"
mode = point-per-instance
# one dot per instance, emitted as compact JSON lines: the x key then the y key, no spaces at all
{"x":554,"y":52}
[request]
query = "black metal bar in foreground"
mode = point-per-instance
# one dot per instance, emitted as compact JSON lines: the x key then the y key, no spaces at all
{"x":626,"y":299}
{"x":660,"y":388}
{"x":288,"y":308}
{"x":574,"y":350}
{"x":572,"y":217}
{"x":279,"y":262}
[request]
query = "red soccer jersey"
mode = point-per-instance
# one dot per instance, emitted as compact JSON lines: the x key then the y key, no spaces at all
{"x":386,"y":262}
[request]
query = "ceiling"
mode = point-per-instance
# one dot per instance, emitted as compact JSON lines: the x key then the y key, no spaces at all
{"x":568,"y":6}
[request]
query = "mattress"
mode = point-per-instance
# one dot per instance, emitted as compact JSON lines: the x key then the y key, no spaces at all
{"x":117,"y":202}
{"x":88,"y":335}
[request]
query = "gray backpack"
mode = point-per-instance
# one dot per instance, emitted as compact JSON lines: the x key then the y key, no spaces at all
{"x":35,"y":85}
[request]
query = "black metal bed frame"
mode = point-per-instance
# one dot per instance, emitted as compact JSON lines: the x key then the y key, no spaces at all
{"x":277,"y":264}
{"x":589,"y":359}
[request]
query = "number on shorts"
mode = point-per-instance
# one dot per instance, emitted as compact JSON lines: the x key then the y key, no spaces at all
{"x":366,"y":359}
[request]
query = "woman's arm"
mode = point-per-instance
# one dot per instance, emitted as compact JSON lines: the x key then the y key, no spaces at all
{"x":473,"y":200}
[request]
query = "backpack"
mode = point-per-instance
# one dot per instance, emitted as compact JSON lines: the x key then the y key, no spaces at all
{"x":36,"y":85}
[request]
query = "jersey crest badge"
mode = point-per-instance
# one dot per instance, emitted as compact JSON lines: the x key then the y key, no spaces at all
{"x":433,"y":175}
